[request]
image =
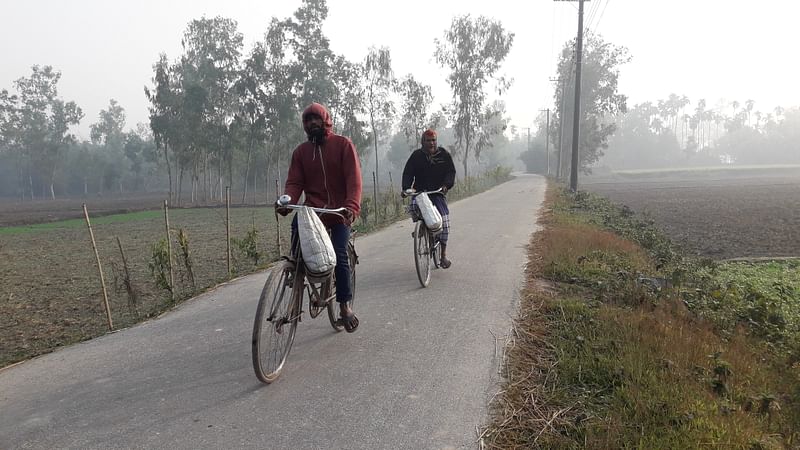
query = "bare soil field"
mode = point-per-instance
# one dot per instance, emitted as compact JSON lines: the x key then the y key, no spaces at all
{"x":50,"y":290}
{"x":717,"y":214}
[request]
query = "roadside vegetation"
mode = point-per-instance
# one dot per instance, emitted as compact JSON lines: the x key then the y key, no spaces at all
{"x":624,"y":342}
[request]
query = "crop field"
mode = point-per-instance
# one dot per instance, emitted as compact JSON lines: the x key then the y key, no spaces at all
{"x":717,"y":214}
{"x":50,"y":289}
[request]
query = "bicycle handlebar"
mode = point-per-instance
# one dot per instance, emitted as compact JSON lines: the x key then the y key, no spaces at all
{"x":414,"y":193}
{"x":283,"y":202}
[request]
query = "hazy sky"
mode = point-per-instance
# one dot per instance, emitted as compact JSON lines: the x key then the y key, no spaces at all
{"x":712,"y":49}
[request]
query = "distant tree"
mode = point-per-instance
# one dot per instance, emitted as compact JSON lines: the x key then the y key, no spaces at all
{"x":108,"y":130}
{"x":208,"y":70}
{"x":108,"y":133}
{"x":473,"y":50}
{"x":640,"y":141}
{"x":42,"y":124}
{"x":165,"y":113}
{"x":416,"y":100}
{"x":314,"y":56}
{"x":350,"y":105}
{"x":378,"y":87}
{"x":600,"y":99}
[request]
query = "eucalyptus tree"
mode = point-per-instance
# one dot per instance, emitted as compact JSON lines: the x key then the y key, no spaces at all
{"x":108,"y":133}
{"x":209,"y":68}
{"x":378,"y":87}
{"x":313,"y":54}
{"x":42,"y":122}
{"x":416,"y":100}
{"x":473,"y":50}
{"x":282,"y":84}
{"x":251,"y":118}
{"x":10,"y":150}
{"x":139,"y":148}
{"x":164,"y":109}
{"x":350,"y":104}
{"x":600,"y":100}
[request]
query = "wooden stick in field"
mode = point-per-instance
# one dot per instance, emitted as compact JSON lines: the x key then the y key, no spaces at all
{"x":169,"y":253}
{"x":100,"y":269}
{"x":228,"y":225}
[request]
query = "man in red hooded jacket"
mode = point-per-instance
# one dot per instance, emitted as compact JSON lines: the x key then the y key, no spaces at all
{"x":326,"y":168}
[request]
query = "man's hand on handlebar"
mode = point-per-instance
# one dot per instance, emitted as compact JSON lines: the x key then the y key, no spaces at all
{"x":444,"y":189}
{"x":282,"y":210}
{"x":349,"y":215}
{"x":407,"y":192}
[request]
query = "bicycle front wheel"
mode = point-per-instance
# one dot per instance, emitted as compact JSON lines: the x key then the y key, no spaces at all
{"x":422,"y":253}
{"x":276,"y":321}
{"x":333,"y":305}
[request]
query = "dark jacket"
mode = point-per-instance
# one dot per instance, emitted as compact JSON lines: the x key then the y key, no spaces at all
{"x":328,"y":173}
{"x":426,"y":172}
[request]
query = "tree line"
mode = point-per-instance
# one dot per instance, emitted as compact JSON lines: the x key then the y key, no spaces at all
{"x":670,"y":132}
{"x":222,"y":115}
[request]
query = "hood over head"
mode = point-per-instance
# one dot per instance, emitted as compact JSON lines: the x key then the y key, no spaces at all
{"x":327,"y":122}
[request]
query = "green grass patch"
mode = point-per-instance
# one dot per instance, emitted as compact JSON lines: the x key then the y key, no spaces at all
{"x":76,"y":223}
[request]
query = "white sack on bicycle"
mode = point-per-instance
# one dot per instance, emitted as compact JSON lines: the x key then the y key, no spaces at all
{"x":431,"y":216}
{"x":316,"y":245}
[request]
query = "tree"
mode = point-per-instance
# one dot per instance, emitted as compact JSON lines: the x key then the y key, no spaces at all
{"x":312,"y":49}
{"x":417,"y":98}
{"x":42,"y":125}
{"x":108,"y":133}
{"x":600,"y":101}
{"x":378,"y":86}
{"x":473,"y":50}
{"x":209,"y":68}
{"x":164,"y":119}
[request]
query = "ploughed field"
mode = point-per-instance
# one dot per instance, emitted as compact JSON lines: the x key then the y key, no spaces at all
{"x":50,"y":290}
{"x":720,"y":214}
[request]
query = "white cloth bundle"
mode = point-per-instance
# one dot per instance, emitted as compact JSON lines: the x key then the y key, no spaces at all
{"x":429,"y":213}
{"x":316,"y":245}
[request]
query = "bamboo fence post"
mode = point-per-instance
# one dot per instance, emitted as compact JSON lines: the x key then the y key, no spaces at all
{"x":375,"y":196}
{"x":99,"y":269}
{"x":127,"y":281}
{"x":169,"y":252}
{"x":277,"y":222}
{"x":228,"y":226}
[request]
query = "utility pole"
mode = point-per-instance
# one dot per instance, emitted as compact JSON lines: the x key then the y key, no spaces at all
{"x":560,"y":124}
{"x":528,"y":148}
{"x":547,"y":139}
{"x":573,"y":176}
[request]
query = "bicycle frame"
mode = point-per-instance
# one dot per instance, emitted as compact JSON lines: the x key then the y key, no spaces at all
{"x":280,"y":305}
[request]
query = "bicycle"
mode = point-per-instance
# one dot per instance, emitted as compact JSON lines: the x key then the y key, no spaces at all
{"x":280,"y":303}
{"x":426,"y":245}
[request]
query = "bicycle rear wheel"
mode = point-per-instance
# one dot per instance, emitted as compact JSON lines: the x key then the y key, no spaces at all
{"x":333,"y":305}
{"x":276,"y":321}
{"x":422,"y":253}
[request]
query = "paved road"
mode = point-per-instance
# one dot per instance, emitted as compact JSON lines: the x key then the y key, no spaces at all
{"x":418,"y":373}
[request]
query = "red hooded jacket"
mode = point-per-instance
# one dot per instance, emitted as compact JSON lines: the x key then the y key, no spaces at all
{"x":329,"y":173}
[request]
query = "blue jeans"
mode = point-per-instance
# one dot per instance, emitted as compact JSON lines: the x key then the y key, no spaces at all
{"x":340,"y":235}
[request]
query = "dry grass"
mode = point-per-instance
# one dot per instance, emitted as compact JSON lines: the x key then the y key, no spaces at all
{"x":583,"y":373}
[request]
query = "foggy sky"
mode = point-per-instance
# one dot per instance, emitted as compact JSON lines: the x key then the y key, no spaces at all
{"x":712,"y":49}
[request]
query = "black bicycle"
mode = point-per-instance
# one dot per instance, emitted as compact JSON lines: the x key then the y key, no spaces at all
{"x":281,"y":301}
{"x":426,"y":245}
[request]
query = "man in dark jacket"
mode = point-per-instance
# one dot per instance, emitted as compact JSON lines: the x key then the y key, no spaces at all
{"x":326,"y":168}
{"x":428,"y":169}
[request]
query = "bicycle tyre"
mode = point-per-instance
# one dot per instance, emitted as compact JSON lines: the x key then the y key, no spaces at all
{"x":422,"y":253}
{"x":278,"y":306}
{"x":333,"y":305}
